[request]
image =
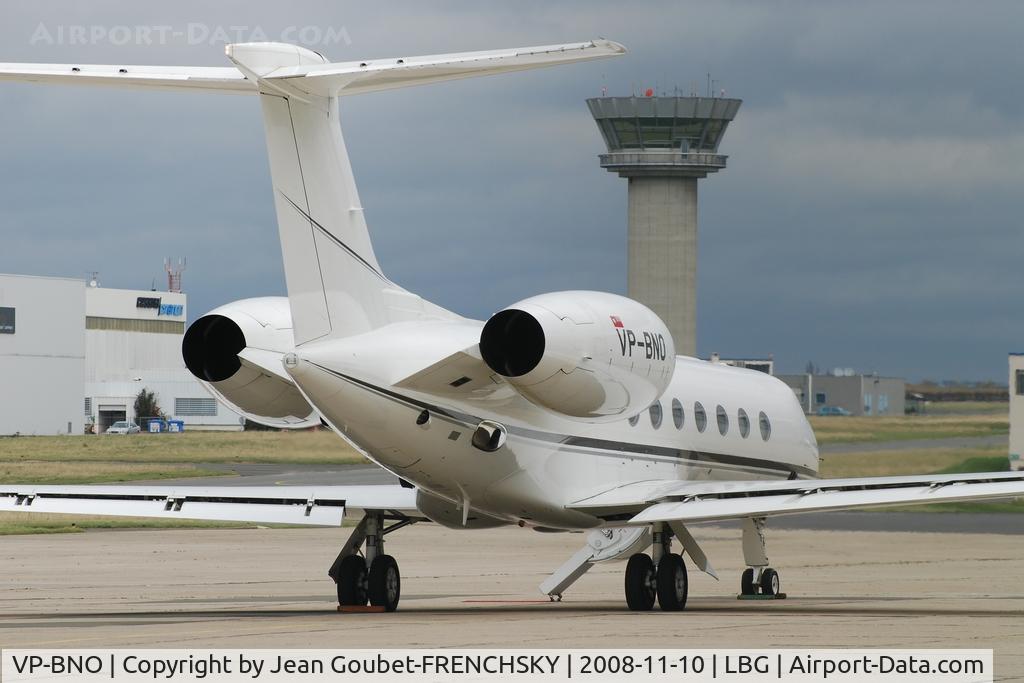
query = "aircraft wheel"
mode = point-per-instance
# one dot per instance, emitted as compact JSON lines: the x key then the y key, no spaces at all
{"x":747,"y":582}
{"x":385,"y":583}
{"x":673,"y":585}
{"x":352,"y":581}
{"x":769,"y":582}
{"x":640,"y":582}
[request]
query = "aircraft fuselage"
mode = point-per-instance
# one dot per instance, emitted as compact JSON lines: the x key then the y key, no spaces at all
{"x":550,"y":461}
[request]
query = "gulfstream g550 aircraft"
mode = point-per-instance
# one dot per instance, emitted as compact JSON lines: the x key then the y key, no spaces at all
{"x":528,"y":419}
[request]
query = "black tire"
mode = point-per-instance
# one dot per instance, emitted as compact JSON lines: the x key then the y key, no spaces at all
{"x":385,"y":583}
{"x":673,"y":584}
{"x":747,"y":582}
{"x":352,"y":581}
{"x":769,"y":582}
{"x":640,"y":582}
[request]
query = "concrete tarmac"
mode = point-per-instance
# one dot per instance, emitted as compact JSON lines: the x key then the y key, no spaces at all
{"x":268,"y":588}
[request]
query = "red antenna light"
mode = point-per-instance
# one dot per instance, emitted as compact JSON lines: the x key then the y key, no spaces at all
{"x":649,"y":92}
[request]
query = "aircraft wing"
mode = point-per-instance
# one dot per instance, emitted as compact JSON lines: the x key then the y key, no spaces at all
{"x":644,"y":502}
{"x":305,"y":505}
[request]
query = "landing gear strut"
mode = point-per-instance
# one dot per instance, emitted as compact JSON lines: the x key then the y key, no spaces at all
{"x":661,"y":575}
{"x":372,"y":577}
{"x":758,"y":579}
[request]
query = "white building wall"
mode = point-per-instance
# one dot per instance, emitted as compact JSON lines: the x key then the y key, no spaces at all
{"x":42,"y":364}
{"x":1017,"y":411}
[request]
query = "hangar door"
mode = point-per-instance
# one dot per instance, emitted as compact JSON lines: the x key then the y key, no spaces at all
{"x":110,"y":414}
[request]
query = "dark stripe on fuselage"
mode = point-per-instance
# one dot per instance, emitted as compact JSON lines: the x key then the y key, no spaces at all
{"x":617,"y":447}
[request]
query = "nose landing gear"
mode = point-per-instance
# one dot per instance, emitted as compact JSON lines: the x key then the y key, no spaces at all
{"x":758,"y":581}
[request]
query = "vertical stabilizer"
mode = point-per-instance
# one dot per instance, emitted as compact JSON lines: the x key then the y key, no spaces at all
{"x":335,"y":285}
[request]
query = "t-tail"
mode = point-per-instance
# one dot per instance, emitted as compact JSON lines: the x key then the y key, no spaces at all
{"x":336,"y":287}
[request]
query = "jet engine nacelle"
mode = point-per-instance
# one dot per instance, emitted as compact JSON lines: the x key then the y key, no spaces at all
{"x":236,"y":351}
{"x":591,"y":356}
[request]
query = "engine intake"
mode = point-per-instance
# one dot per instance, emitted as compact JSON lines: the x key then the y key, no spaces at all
{"x":211,"y":347}
{"x":512,"y":342}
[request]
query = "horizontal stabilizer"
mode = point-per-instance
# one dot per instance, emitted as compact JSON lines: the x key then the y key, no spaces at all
{"x":314,"y":76}
{"x":194,"y":78}
{"x":351,"y":78}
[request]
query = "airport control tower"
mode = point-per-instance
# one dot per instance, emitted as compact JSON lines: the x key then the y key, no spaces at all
{"x":664,"y":145}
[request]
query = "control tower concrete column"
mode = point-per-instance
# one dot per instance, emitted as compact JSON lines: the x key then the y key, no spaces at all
{"x":663,"y":145}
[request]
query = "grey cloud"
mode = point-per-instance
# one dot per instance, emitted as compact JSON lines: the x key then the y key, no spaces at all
{"x":869,"y":216}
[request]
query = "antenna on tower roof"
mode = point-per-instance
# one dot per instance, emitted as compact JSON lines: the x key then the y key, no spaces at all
{"x":174,"y":270}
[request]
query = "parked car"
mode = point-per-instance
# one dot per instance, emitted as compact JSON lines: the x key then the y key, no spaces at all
{"x":123,"y":427}
{"x":833,"y":410}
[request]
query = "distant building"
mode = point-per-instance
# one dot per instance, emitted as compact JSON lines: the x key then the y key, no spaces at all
{"x":1017,"y":411}
{"x":846,"y":391}
{"x":72,"y":355}
{"x":42,"y":355}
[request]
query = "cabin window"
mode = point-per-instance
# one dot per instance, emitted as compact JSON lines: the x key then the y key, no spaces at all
{"x":766,"y":426}
{"x":744,"y":422}
{"x":723,"y":420}
{"x":677,"y":413}
{"x":700,"y":418}
{"x":655,"y":411}
{"x":633,"y":420}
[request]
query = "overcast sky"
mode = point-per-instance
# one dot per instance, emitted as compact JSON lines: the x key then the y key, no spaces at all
{"x":869,"y":217}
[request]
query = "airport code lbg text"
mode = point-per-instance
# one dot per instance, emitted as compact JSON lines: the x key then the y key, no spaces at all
{"x":518,"y":665}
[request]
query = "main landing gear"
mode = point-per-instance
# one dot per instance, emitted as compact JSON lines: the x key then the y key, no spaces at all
{"x":660,"y":575}
{"x":372,"y":577}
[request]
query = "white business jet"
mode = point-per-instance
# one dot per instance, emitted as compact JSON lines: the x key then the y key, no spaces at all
{"x":565,"y":411}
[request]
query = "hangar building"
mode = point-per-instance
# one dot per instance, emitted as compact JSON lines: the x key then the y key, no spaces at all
{"x":73,"y":355}
{"x":853,"y":393}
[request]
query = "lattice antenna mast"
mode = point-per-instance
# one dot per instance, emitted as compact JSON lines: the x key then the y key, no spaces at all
{"x":174,"y":268}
